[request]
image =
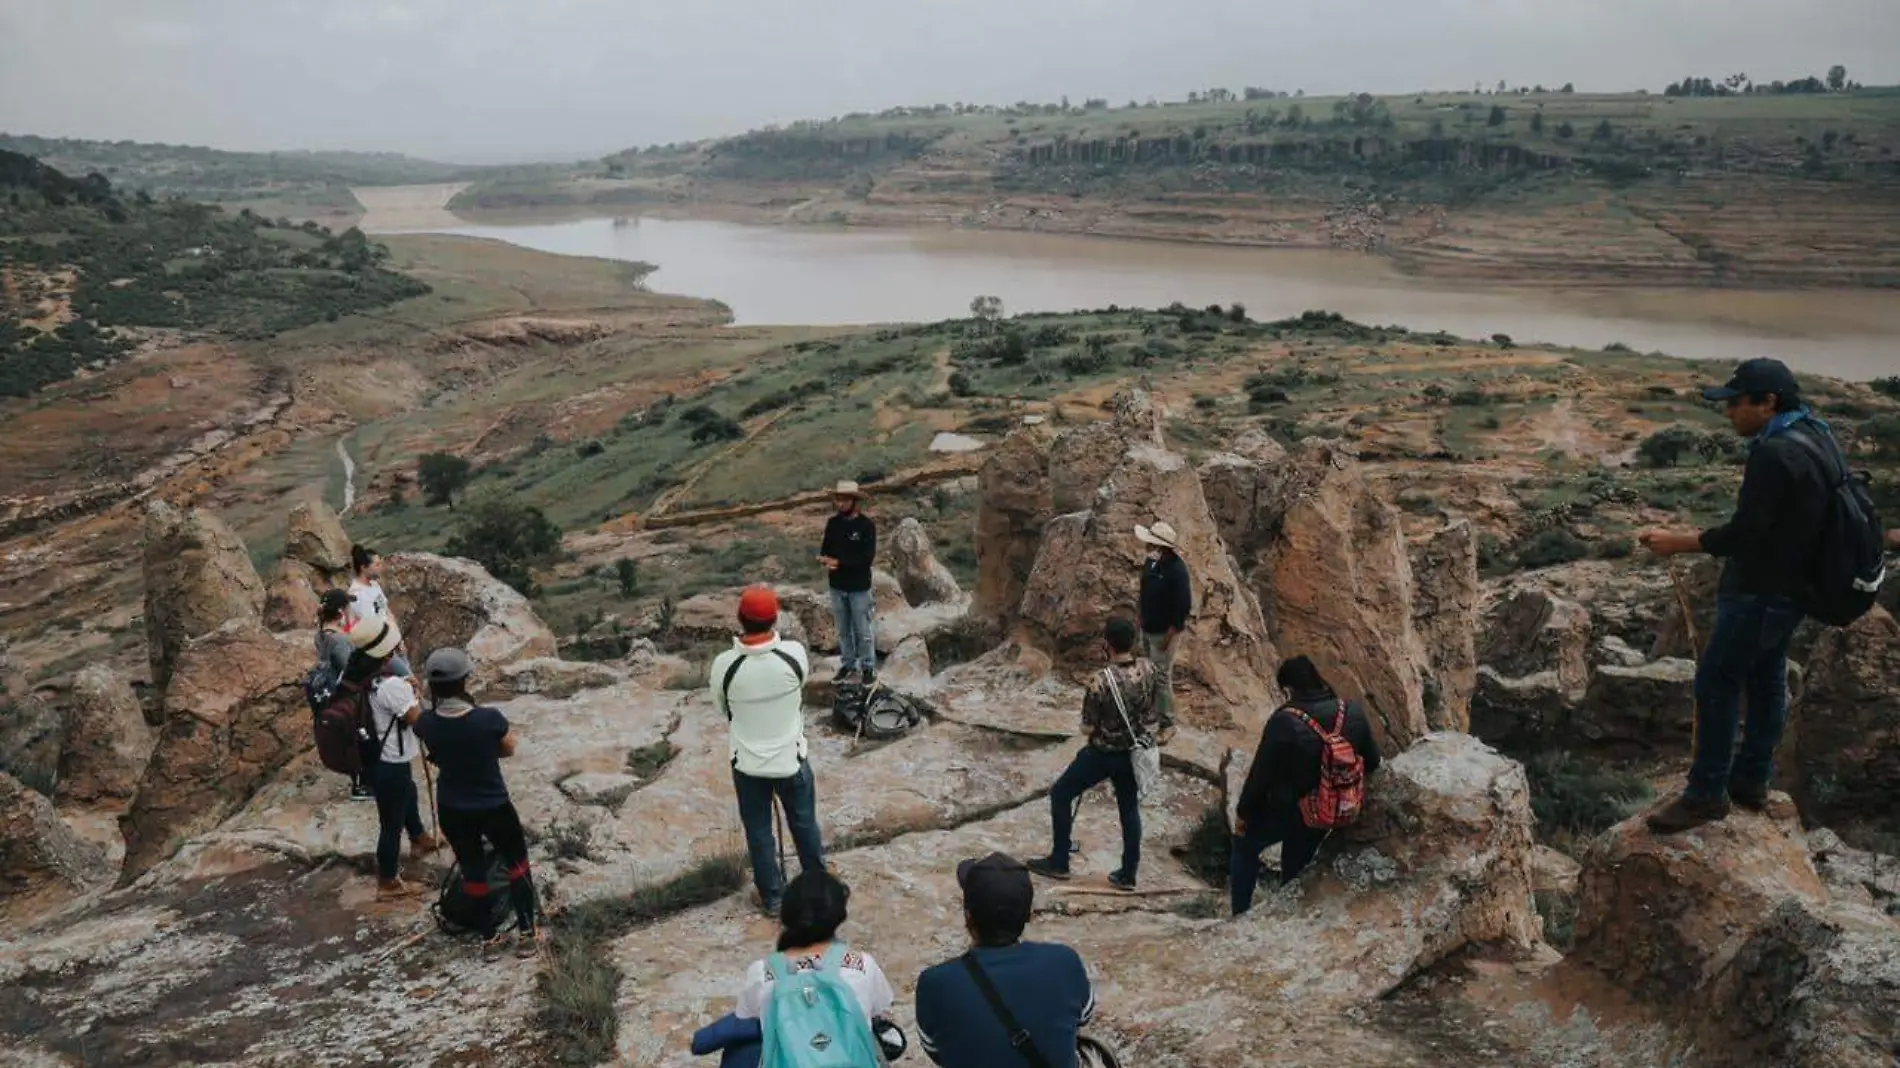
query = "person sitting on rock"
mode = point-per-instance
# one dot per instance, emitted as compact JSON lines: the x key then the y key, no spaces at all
{"x":1041,"y":987}
{"x":468,"y":742}
{"x":759,"y":686}
{"x":1286,"y":768}
{"x":333,"y":655}
{"x":815,"y":906}
{"x":1768,"y":542}
{"x":1167,"y":598}
{"x":849,"y":547}
{"x":1120,"y":709}
{"x":393,"y":714}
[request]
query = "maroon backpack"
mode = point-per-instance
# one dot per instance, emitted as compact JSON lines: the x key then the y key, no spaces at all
{"x":344,"y":727}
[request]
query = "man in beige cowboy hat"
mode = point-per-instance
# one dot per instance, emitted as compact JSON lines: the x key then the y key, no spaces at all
{"x":1166,"y":600}
{"x":849,"y":547}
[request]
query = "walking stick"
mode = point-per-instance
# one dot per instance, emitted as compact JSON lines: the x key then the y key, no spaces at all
{"x":1695,"y":646}
{"x":779,"y":811}
{"x":428,"y":779}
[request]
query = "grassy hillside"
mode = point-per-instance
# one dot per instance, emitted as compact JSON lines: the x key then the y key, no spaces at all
{"x":1793,"y":188}
{"x":87,"y":270}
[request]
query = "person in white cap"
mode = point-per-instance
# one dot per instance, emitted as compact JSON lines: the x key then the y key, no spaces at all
{"x":1166,"y":600}
{"x":849,"y":547}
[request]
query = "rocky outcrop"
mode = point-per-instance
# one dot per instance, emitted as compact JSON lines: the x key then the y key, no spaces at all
{"x":1089,"y":568}
{"x":31,"y":732}
{"x":40,"y":857}
{"x":1533,"y":631}
{"x":1699,"y":580}
{"x":1081,"y":459}
{"x":1518,"y":714}
{"x":1730,"y":929}
{"x":1636,"y":711}
{"x":1445,"y":599}
{"x":907,"y":669}
{"x":1335,"y":584}
{"x":1237,"y":483}
{"x":107,"y":740}
{"x":804,"y":616}
{"x":198,"y":576}
{"x":553,"y":678}
{"x":441,"y":602}
{"x":1847,"y":727}
{"x":1856,"y":875}
{"x":1013,"y":504}
{"x":291,"y":599}
{"x":919,"y":573}
{"x":234,"y":715}
{"x":315,"y":537}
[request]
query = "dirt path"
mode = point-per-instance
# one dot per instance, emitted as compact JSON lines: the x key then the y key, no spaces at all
{"x":349,"y":477}
{"x":678,"y":493}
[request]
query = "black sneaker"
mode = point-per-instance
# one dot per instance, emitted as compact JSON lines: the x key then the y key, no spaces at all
{"x":1685,"y":814}
{"x":869,"y":675}
{"x":359,"y":792}
{"x":1121,"y":882}
{"x":1046,"y":867}
{"x":1754,"y":799}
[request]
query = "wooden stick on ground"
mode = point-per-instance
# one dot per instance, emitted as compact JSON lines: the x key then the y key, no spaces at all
{"x":1108,"y":891}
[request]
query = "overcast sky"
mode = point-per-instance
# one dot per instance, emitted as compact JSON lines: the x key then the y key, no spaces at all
{"x":487,"y":79}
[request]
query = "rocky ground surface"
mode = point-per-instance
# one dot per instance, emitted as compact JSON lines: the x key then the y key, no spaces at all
{"x":182,"y":883}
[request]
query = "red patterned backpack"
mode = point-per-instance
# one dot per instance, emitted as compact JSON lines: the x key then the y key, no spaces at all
{"x":1342,"y":775}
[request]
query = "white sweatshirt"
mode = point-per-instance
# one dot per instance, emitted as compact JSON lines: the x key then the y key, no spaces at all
{"x":767,"y":706}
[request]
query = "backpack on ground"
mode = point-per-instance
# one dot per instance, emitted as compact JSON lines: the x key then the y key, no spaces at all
{"x":848,"y":704}
{"x":1849,"y":563}
{"x":888,"y":714}
{"x":457,"y":913}
{"x":1092,"y":1052}
{"x":1341,"y":793}
{"x":812,"y":1019}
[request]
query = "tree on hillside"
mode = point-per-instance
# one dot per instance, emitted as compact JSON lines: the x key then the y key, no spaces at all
{"x":442,"y":475}
{"x":627,"y":573}
{"x":1837,"y":77}
{"x":1497,"y":115}
{"x":1666,"y":447}
{"x":1603,"y":132}
{"x":1537,"y":121}
{"x":986,"y":310}
{"x":1569,"y":87}
{"x":1565,"y":131}
{"x":508,"y":539}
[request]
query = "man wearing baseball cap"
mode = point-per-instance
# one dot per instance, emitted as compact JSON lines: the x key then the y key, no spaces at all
{"x":759,"y":686}
{"x":1768,"y":545}
{"x":1004,"y":997}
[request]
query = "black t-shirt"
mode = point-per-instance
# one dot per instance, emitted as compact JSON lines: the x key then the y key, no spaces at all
{"x":852,"y":541}
{"x":465,"y":743}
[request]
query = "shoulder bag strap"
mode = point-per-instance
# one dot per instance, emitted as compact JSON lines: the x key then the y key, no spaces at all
{"x":1019,"y":1039}
{"x":725,"y":684}
{"x":1833,"y":464}
{"x":778,"y":966}
{"x":791,"y":662}
{"x":1339,"y":717}
{"x":1115,"y":692}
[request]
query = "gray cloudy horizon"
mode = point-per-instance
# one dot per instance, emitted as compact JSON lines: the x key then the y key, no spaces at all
{"x":485,"y":80}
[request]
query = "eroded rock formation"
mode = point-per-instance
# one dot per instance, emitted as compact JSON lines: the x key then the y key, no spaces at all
{"x":198,"y":577}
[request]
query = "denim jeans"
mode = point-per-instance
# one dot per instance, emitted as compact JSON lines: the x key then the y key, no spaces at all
{"x":1090,"y":767}
{"x":857,"y":642}
{"x":1746,"y":659}
{"x":798,"y":797}
{"x":1163,"y":660}
{"x":395,"y":788}
{"x":1298,"y":843}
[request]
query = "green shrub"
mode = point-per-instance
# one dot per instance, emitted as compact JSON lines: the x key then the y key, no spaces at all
{"x":442,"y":476}
{"x":1572,"y":796}
{"x":1551,"y":547}
{"x":509,"y":540}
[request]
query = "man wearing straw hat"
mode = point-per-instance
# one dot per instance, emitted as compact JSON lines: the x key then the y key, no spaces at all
{"x":849,"y":547}
{"x":1166,"y":600}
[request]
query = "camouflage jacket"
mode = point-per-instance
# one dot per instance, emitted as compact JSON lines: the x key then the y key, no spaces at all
{"x":1140,"y":685}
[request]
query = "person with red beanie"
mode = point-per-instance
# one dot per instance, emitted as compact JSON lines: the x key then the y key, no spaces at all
{"x":759,"y":684}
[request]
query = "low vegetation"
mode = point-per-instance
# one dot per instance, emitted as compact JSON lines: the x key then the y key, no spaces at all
{"x":1575,"y":798}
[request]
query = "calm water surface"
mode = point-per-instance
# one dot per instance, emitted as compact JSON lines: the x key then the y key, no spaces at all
{"x":802,"y":275}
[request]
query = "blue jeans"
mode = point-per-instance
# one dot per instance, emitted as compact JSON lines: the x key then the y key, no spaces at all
{"x":857,"y":642}
{"x":1746,"y":657}
{"x":395,"y":788}
{"x":1090,"y":767}
{"x":1298,"y":843}
{"x":800,"y":800}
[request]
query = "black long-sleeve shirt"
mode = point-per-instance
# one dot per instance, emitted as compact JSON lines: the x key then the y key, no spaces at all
{"x":1286,"y":766}
{"x":1166,"y":595}
{"x":852,"y":541}
{"x":1770,"y":540}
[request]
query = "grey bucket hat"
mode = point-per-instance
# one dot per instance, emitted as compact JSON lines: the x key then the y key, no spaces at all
{"x":447,"y":665}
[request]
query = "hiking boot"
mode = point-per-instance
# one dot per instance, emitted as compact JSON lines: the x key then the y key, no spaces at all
{"x":359,"y":791}
{"x":528,"y":944}
{"x":1048,"y":868}
{"x":493,"y":946}
{"x":868,"y":676}
{"x":1686,"y":813}
{"x":395,"y":889}
{"x":423,"y":846}
{"x":1752,"y":798}
{"x":1121,"y":882}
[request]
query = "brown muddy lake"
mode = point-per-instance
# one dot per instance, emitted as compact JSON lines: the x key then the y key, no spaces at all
{"x":812,"y":276}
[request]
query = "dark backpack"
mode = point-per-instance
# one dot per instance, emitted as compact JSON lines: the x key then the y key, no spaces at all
{"x":343,"y":727}
{"x":457,"y":913}
{"x":319,"y":685}
{"x":1849,"y":562}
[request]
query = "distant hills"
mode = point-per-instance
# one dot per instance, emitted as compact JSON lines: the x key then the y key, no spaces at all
{"x":90,"y":269}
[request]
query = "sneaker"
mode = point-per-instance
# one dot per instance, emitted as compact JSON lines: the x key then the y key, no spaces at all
{"x":1047,"y":868}
{"x":423,"y":846}
{"x":493,"y":946}
{"x":360,"y":792}
{"x":1121,"y":882}
{"x":869,"y":675}
{"x":1686,"y":813}
{"x":528,"y":944}
{"x":1753,"y":798}
{"x":395,"y":889}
